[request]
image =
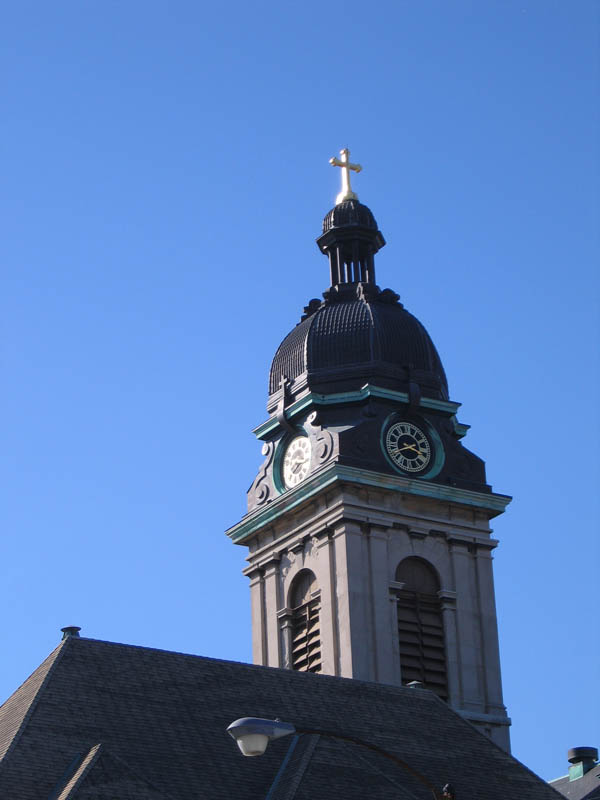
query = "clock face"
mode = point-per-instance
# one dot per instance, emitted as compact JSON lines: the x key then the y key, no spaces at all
{"x":296,"y":462}
{"x":408,"y":447}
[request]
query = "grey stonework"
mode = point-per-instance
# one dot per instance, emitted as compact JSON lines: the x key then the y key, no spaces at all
{"x":353,"y":537}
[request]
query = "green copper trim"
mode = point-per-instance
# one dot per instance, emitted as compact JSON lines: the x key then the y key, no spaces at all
{"x":333,"y":473}
{"x":285,"y":502}
{"x":460,"y":429}
{"x":315,"y":399}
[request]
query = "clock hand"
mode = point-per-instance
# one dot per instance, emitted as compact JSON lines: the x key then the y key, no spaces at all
{"x":410,"y":447}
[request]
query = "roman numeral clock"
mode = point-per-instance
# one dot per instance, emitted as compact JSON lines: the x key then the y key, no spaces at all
{"x":408,"y":447}
{"x":368,"y":524}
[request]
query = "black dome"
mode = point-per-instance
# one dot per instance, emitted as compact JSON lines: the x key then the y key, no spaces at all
{"x":358,"y":334}
{"x":354,"y":337}
{"x":350,"y":212}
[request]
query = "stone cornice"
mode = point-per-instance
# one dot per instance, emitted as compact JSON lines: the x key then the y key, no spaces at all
{"x":313,"y":399}
{"x":493,"y":504}
{"x":474,"y":716}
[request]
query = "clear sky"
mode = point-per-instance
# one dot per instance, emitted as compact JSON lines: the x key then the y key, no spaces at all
{"x":164,"y":177}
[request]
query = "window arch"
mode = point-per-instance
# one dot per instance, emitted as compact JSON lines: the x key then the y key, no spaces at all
{"x":421,"y":626}
{"x":305,"y":604}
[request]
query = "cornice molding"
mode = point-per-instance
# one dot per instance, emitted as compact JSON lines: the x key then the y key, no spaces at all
{"x":335,"y":473}
{"x":313,"y":399}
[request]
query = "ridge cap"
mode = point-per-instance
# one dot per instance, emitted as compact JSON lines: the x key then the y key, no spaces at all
{"x":54,"y":657}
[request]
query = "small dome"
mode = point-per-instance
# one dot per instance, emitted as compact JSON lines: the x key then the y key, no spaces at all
{"x":350,"y":212}
{"x":352,"y":340}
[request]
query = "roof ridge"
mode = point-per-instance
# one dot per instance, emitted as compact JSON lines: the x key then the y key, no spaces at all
{"x":507,"y":754}
{"x":48,"y":665}
{"x":297,"y":674}
{"x":72,"y":783}
{"x":137,"y":775}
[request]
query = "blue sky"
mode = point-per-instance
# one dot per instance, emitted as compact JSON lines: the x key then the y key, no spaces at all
{"x":165,"y":175}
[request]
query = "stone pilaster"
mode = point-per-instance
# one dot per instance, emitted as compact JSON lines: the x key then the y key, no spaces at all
{"x":284,"y":616}
{"x":469,"y":656}
{"x":272,"y":605}
{"x":489,"y":631}
{"x":324,"y":553}
{"x":383,"y":645}
{"x":448,"y":602}
{"x":257,"y":606}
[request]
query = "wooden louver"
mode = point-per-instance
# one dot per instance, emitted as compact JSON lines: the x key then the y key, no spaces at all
{"x":421,"y":627}
{"x":421,"y":637}
{"x":306,"y":636}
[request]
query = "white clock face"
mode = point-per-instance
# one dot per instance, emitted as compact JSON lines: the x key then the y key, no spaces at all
{"x":408,"y":447}
{"x":296,"y":462}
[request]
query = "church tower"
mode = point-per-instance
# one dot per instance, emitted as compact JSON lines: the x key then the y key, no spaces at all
{"x":370,"y":548}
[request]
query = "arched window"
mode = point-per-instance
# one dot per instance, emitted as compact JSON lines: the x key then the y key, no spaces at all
{"x":305,"y":604}
{"x":420,"y":626}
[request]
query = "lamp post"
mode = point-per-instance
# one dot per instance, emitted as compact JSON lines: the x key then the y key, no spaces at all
{"x":253,"y":734}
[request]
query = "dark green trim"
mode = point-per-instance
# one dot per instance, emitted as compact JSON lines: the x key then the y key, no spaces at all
{"x":460,"y":429}
{"x":333,"y":473}
{"x":314,"y":399}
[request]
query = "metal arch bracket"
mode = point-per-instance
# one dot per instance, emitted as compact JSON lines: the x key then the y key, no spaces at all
{"x":280,"y":412}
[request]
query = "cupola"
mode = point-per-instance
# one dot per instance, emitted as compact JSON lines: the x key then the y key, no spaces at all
{"x":358,"y":333}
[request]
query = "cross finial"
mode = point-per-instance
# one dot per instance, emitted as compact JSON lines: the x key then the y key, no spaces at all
{"x":346,"y":193}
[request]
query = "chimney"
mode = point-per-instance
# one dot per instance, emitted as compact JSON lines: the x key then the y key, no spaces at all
{"x":582,"y":760}
{"x":70,"y":630}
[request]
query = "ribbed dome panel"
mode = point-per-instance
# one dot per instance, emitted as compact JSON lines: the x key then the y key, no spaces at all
{"x":353,"y":339}
{"x":290,"y":358}
{"x":417,"y":351}
{"x":341,"y":334}
{"x":350,"y":212}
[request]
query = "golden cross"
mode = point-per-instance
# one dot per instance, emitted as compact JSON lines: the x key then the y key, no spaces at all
{"x":346,"y":193}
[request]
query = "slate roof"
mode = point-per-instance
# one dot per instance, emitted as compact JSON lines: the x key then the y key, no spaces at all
{"x":99,"y":720}
{"x":585,"y":788}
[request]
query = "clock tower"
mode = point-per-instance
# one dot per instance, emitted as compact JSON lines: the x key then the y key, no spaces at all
{"x":368,"y":524}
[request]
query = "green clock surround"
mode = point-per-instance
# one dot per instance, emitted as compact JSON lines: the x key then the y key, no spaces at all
{"x":412,"y":447}
{"x":295,"y":465}
{"x":408,"y":446}
{"x":282,"y":450}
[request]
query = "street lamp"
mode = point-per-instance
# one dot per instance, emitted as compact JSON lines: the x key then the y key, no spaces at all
{"x":253,"y":734}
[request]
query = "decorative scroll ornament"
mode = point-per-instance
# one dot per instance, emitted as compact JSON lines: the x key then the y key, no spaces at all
{"x":262,"y":489}
{"x":323,"y":439}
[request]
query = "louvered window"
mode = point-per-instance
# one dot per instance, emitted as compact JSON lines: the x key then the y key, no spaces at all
{"x":305,"y":603}
{"x":421,"y":627}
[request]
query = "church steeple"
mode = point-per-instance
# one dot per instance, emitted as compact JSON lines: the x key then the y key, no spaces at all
{"x":368,"y":521}
{"x":350,"y":235}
